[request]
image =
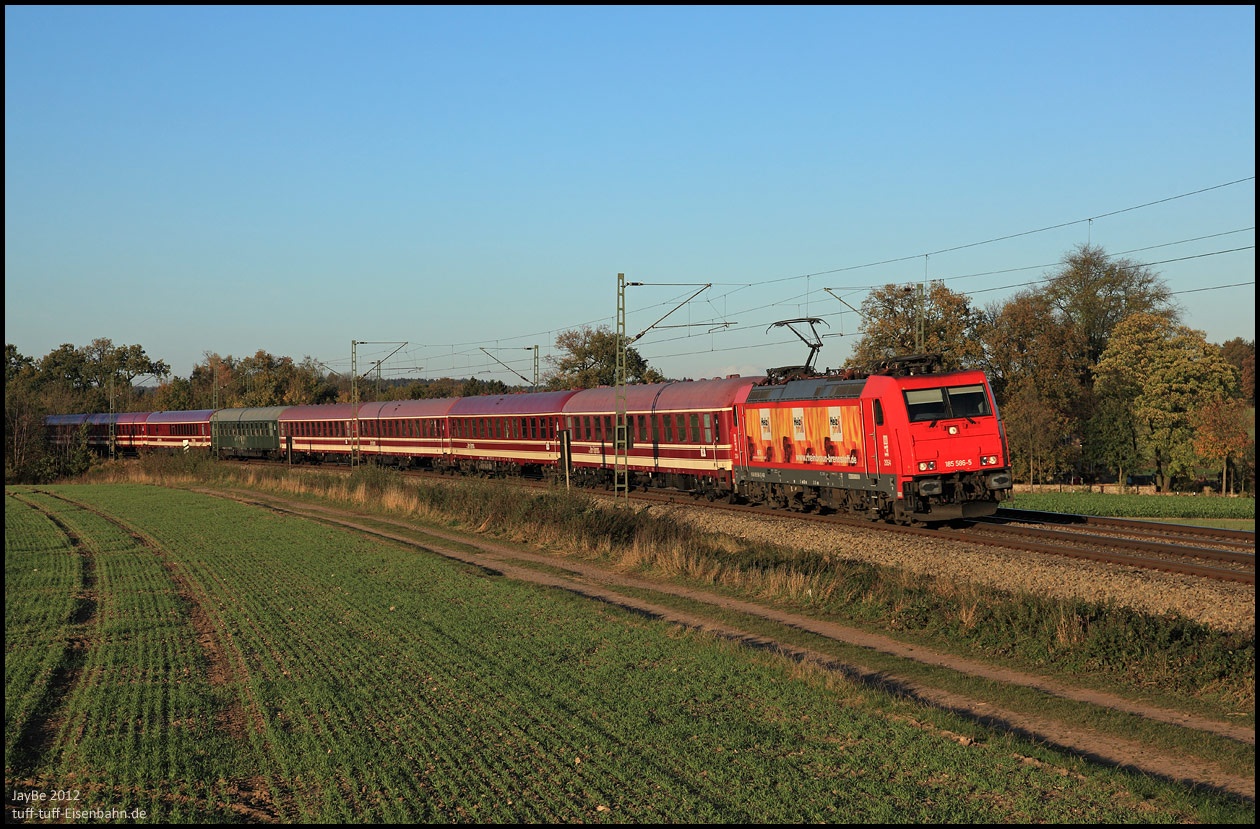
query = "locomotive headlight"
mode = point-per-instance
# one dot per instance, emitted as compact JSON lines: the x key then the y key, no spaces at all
{"x":927,"y":466}
{"x":953,"y":430}
{"x":988,"y":460}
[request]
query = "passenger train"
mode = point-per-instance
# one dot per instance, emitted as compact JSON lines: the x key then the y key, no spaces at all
{"x":902,"y":444}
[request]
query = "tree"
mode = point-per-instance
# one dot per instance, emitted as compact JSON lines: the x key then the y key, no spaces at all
{"x":1111,"y":436}
{"x":589,"y":359}
{"x":23,"y":419}
{"x":1037,"y":435}
{"x":174,"y":396}
{"x":309,"y":385}
{"x":900,"y":320}
{"x":1242,"y":355}
{"x":1092,"y":293}
{"x":1025,"y":343}
{"x":1224,"y":429}
{"x":1166,"y":372}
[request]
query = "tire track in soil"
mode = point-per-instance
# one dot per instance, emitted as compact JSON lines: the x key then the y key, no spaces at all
{"x":38,"y":735}
{"x":253,"y":797}
{"x":601,"y":583}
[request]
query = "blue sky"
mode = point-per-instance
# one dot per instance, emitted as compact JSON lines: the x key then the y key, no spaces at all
{"x":435,"y":183}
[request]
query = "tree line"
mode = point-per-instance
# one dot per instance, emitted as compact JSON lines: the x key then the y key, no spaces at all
{"x":1095,"y":375}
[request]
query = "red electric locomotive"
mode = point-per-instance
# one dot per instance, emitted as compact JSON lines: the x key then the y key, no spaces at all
{"x":904,"y":447}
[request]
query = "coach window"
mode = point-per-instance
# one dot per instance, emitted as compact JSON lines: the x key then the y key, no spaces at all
{"x":695,"y":428}
{"x":708,"y":428}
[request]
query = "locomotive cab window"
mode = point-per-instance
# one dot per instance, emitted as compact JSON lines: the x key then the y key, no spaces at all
{"x":943,"y":403}
{"x":925,"y":404}
{"x":968,"y":401}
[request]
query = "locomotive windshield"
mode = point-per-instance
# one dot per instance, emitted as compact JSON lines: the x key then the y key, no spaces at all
{"x":946,"y":402}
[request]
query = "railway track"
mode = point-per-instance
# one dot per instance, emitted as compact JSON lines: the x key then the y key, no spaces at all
{"x":1138,"y":544}
{"x":1200,"y":552}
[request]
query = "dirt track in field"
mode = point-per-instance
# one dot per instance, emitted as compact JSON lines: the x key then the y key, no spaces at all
{"x":607,"y":585}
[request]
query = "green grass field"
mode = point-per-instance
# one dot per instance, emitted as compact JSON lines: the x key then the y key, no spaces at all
{"x":1198,"y":510}
{"x":207,"y":661}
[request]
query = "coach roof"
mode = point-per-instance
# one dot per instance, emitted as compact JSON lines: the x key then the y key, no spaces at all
{"x":547,"y":402}
{"x":430,"y":407}
{"x":685,"y":395}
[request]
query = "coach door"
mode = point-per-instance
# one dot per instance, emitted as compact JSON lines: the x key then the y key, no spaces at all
{"x":876,"y":451}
